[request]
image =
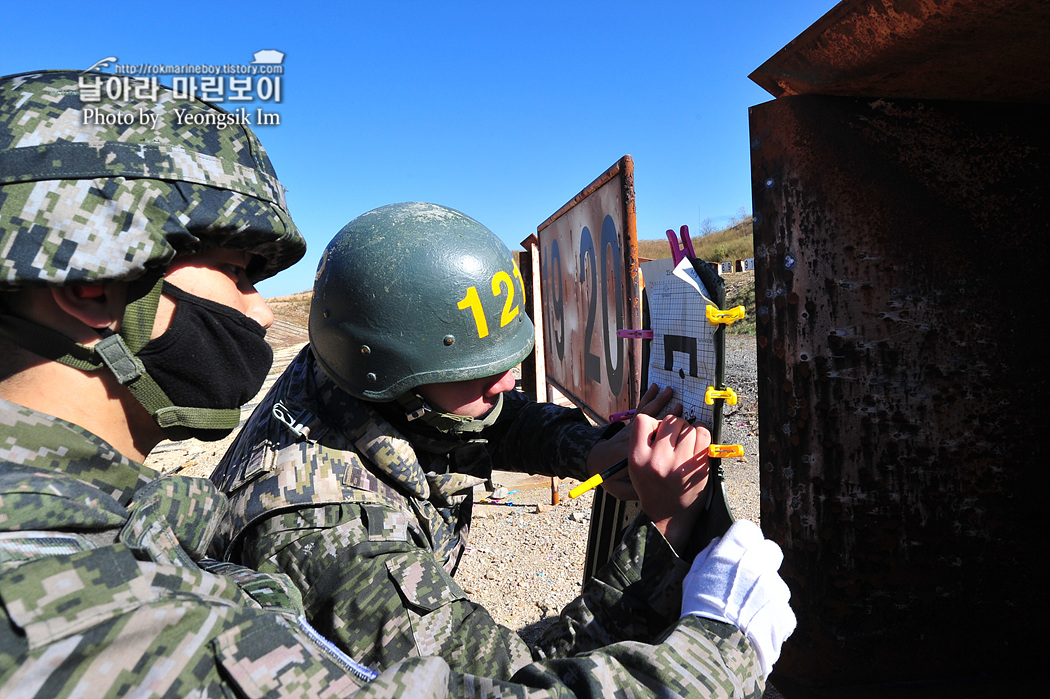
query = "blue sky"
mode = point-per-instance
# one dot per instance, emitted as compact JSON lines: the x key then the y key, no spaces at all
{"x":501,"y":110}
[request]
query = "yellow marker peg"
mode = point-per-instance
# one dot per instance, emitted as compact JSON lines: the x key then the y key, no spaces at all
{"x":724,"y":451}
{"x":711,"y":393}
{"x":728,"y":317}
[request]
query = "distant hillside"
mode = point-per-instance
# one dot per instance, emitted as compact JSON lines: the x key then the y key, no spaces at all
{"x":294,"y":309}
{"x":732,"y":243}
{"x":740,"y":291}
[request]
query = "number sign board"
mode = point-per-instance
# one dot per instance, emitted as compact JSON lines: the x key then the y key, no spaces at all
{"x":590,"y":289}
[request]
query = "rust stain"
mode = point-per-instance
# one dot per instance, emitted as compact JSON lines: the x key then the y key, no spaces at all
{"x":901,"y":205}
{"x":901,"y":380}
{"x":590,"y":289}
{"x":932,"y":49}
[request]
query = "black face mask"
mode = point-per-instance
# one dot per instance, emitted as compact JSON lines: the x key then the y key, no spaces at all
{"x":212,"y":356}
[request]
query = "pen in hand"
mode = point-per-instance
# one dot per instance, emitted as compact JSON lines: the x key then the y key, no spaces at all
{"x":595,"y":481}
{"x":719,"y":451}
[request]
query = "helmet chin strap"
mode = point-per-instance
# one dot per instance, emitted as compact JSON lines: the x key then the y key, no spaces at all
{"x":416,"y":408}
{"x":116,"y":352}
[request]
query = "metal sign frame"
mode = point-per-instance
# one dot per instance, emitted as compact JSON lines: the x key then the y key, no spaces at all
{"x":590,"y":289}
{"x":595,"y":230}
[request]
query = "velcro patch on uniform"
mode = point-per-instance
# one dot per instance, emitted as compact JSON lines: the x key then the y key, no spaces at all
{"x":385,"y":524}
{"x":260,"y":461}
{"x":19,"y":547}
{"x":357,"y":476}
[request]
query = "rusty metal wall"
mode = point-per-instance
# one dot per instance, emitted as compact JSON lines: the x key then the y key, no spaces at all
{"x":901,"y":284}
{"x":987,"y":50}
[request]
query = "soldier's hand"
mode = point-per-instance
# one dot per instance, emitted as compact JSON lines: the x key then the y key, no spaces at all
{"x":668,"y":467}
{"x":608,"y":451}
{"x":655,"y":400}
{"x":735,"y":580}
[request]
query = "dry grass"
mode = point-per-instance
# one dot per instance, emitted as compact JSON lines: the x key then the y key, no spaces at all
{"x":740,"y":291}
{"x":294,"y":309}
{"x":733,"y":243}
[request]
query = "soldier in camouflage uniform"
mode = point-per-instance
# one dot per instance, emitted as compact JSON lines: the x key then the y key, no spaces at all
{"x":118,"y":241}
{"x":104,"y":588}
{"x":354,"y":475}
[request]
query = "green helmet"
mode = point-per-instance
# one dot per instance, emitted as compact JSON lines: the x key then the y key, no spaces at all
{"x":106,"y":178}
{"x":414,"y":293}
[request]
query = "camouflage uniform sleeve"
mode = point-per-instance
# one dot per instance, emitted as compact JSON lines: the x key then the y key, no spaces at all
{"x":636,"y":596}
{"x":541,"y":438}
{"x":374,"y":589}
{"x":231,"y":650}
{"x":698,"y":658}
{"x":390,"y":593}
{"x":117,"y":626}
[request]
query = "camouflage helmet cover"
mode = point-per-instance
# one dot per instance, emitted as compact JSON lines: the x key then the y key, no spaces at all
{"x":415,"y":293}
{"x":83,"y":199}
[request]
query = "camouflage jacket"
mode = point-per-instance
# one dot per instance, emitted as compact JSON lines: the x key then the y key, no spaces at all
{"x":428,"y":475}
{"x":104,"y":588}
{"x":105,"y":593}
{"x":369,"y":525}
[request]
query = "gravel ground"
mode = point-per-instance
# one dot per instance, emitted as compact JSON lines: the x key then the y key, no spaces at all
{"x":525,"y":560}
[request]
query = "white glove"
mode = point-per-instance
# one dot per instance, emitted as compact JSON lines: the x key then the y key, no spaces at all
{"x":735,"y":580}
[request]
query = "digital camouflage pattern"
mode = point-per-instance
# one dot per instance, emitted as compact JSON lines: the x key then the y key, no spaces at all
{"x":370,"y":524}
{"x":364,"y":455}
{"x":81,"y":202}
{"x":104,"y":590}
{"x":348,"y":480}
{"x":115,"y":602}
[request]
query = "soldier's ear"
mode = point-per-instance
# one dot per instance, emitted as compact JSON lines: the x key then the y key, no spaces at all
{"x":96,"y":305}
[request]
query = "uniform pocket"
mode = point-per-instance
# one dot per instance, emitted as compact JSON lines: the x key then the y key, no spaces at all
{"x":423,"y":583}
{"x":55,"y":597}
{"x":435,"y":605}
